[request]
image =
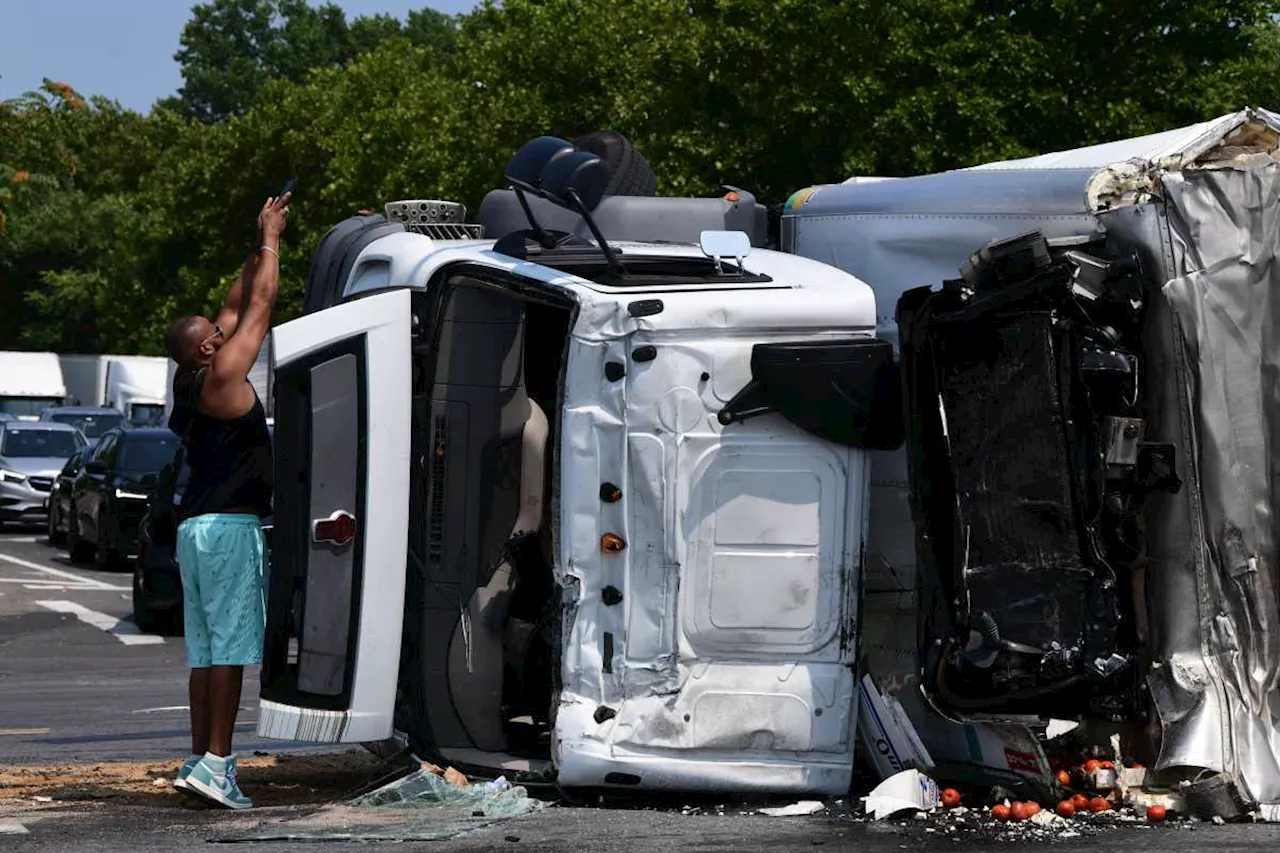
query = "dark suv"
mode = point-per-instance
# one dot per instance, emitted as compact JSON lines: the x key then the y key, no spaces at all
{"x":111,"y":492}
{"x":60,"y":497}
{"x":157,"y":582}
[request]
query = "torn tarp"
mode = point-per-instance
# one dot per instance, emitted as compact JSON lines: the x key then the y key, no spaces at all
{"x":1215,"y":574}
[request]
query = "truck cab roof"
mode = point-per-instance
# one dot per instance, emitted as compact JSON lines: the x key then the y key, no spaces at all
{"x":769,"y":289}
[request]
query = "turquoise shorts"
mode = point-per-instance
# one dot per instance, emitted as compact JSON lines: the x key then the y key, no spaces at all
{"x":221,"y":557}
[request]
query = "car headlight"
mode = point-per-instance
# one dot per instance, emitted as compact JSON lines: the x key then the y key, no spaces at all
{"x":7,"y":476}
{"x":131,"y":496}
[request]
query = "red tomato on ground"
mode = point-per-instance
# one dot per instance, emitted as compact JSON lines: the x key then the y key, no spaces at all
{"x":1065,"y":809}
{"x":1092,"y":765}
{"x":1033,"y":809}
{"x":950,"y":798}
{"x":1081,"y":802}
{"x":1064,"y":778}
{"x":1000,"y":812}
{"x":1156,"y":813}
{"x":1098,"y":805}
{"x":1018,"y":812}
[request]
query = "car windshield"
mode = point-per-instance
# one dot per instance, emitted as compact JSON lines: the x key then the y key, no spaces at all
{"x":147,"y":415}
{"x":40,"y":443}
{"x":147,"y":456}
{"x":27,"y":407}
{"x":93,"y":426}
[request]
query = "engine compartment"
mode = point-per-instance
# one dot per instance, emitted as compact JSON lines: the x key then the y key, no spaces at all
{"x":1029,"y":472}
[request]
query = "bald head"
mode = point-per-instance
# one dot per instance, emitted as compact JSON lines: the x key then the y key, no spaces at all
{"x":186,"y":338}
{"x":178,"y":340}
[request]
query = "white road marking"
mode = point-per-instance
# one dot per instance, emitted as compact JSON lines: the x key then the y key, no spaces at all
{"x":13,"y":829}
{"x":81,"y":582}
{"x":125,"y":632}
{"x":22,"y":539}
{"x":165,"y":708}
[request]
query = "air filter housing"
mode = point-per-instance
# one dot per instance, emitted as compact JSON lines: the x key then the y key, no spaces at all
{"x":442,"y":220}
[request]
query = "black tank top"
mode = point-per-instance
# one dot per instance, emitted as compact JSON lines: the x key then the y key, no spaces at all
{"x":230,"y":461}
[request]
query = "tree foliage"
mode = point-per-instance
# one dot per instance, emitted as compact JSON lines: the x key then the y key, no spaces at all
{"x":112,"y":222}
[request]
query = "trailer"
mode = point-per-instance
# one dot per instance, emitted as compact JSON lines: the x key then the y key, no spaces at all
{"x":85,"y":377}
{"x":1083,"y":508}
{"x":30,"y":382}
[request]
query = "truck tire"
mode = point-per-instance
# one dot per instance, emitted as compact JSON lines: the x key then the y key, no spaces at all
{"x":631,"y":172}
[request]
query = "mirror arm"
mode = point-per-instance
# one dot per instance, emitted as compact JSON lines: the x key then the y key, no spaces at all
{"x":610,"y":256}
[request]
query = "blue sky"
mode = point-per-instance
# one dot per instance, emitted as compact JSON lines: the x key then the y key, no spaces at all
{"x":121,"y":48}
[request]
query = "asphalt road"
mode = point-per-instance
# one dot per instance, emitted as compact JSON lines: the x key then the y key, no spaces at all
{"x":82,"y":691}
{"x":78,"y":681}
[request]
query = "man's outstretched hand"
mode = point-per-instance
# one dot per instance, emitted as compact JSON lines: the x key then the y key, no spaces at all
{"x":272,"y":219}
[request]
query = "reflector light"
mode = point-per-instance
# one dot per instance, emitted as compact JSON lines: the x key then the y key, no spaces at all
{"x":337,"y":529}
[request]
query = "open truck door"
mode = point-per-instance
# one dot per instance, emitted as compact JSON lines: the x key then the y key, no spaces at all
{"x":336,"y":589}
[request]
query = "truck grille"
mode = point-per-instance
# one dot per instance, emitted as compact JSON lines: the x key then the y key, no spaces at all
{"x":41,"y":484}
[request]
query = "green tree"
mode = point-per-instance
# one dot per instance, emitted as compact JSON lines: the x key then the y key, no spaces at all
{"x":112,"y":222}
{"x":231,"y":48}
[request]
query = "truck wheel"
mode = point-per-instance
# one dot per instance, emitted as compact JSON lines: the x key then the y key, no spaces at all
{"x":631,"y":172}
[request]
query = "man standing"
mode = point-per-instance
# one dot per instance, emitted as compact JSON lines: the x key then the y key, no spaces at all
{"x":220,"y":548}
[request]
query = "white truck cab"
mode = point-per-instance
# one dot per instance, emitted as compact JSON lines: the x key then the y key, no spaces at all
{"x":571,"y":510}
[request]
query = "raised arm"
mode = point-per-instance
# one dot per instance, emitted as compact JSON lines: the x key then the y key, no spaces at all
{"x":226,"y":393}
{"x":234,"y":303}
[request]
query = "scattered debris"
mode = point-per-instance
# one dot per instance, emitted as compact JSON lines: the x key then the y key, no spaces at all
{"x":277,"y":780}
{"x":909,"y":790}
{"x":1215,"y":796}
{"x":804,"y":807}
{"x":423,"y":806}
{"x":888,"y":738}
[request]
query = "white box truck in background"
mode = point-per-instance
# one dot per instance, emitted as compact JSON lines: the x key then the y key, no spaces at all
{"x":85,"y":377}
{"x":30,"y":382}
{"x":137,"y":385}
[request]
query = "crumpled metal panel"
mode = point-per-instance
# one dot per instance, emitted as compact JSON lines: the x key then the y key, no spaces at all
{"x":1216,"y":692}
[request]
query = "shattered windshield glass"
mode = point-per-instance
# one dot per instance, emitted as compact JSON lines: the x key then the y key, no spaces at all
{"x":423,"y":806}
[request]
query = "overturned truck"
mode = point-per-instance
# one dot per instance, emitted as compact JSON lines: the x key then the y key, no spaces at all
{"x":1089,"y":474}
{"x":588,"y":511}
{"x":651,"y":475}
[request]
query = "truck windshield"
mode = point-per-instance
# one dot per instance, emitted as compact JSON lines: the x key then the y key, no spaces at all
{"x":40,"y":443}
{"x":146,"y":415}
{"x":27,"y":407}
{"x":147,"y":456}
{"x":93,"y":426}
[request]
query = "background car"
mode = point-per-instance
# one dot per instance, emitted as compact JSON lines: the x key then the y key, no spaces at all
{"x":157,"y":583}
{"x":31,"y":455}
{"x":60,"y":496}
{"x":93,"y":421}
{"x":110,"y":494}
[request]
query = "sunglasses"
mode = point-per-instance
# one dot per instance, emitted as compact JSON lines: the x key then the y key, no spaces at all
{"x":217,"y":333}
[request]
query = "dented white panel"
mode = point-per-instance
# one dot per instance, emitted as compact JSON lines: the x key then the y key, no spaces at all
{"x":731,"y":651}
